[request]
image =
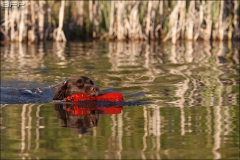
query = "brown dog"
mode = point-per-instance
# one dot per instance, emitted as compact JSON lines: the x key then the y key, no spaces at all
{"x":75,"y":84}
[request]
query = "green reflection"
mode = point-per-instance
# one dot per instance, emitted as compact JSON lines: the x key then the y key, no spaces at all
{"x":194,"y":90}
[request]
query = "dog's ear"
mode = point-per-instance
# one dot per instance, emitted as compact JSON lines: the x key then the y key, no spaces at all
{"x":59,"y":93}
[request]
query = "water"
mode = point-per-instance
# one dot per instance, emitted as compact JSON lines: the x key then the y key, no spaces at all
{"x":181,"y":102}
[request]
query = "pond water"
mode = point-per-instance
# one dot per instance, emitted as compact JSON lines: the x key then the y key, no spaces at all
{"x":180,"y":101}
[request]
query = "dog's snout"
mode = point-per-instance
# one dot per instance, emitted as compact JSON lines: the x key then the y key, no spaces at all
{"x":94,"y":89}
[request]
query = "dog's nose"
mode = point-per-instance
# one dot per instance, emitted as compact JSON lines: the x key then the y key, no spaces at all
{"x":94,"y":89}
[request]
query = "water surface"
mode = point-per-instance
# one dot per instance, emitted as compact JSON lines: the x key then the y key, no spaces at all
{"x":181,"y":101}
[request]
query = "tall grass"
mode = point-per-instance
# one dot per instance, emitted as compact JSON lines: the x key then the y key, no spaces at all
{"x":121,"y":20}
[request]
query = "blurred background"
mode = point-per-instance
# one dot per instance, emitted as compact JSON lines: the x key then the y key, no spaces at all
{"x":175,"y":62}
{"x":119,"y":20}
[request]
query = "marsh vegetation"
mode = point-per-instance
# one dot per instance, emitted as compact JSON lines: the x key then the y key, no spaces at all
{"x":121,"y":20}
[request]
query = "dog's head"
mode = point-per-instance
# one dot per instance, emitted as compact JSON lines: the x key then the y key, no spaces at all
{"x":75,"y":84}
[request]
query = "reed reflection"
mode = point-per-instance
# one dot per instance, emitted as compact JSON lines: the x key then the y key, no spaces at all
{"x":193,"y":88}
{"x":155,"y":131}
{"x":84,"y":115}
{"x":30,"y":119}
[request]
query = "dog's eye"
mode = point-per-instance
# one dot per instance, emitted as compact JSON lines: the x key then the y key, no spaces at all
{"x":79,"y":83}
{"x":88,"y":81}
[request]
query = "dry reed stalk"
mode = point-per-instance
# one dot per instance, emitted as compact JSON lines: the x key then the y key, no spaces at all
{"x":149,"y":22}
{"x":198,"y":19}
{"x":21,"y":26}
{"x":12,"y":32}
{"x":182,"y":16}
{"x":80,"y":12}
{"x":90,"y":9}
{"x":111,"y":25}
{"x":31,"y":36}
{"x":48,"y":33}
{"x":173,"y":22}
{"x":153,"y":20}
{"x":59,"y":34}
{"x":220,"y":22}
{"x":201,"y":12}
{"x":236,"y":32}
{"x":120,"y":27}
{"x":190,"y":17}
{"x":129,"y":20}
{"x":161,"y":8}
{"x":206,"y":33}
{"x":160,"y":26}
{"x":135,"y":20}
{"x":95,"y":19}
{"x":148,"y":19}
{"x":41,"y":13}
{"x":133,"y":25}
{"x":223,"y":23}
{"x":6,"y":28}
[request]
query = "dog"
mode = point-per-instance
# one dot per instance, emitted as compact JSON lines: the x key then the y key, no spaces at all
{"x":75,"y":84}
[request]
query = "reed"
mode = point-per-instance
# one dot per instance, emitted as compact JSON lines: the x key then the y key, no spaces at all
{"x":58,"y":33}
{"x":121,"y":20}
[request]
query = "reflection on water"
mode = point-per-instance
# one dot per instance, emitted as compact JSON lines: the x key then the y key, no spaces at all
{"x":84,"y":115}
{"x":193,"y":89}
{"x":35,"y":131}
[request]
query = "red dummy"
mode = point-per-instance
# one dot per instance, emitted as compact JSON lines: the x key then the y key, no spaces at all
{"x":111,"y":96}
